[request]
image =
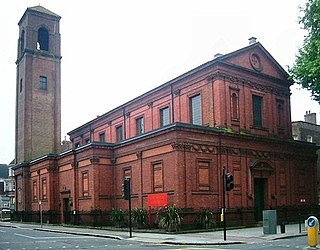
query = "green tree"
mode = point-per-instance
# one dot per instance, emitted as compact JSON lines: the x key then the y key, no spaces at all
{"x":306,"y":69}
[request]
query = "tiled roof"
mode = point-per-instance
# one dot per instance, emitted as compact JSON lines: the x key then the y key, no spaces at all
{"x":41,"y":9}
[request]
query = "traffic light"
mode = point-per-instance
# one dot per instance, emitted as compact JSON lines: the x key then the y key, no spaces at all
{"x":126,"y":189}
{"x":229,"y":181}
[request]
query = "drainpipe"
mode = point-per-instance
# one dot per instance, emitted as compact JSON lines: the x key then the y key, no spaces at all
{"x":124,"y":124}
{"x":172,"y":103}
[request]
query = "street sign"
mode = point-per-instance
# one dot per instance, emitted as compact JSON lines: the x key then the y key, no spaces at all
{"x":313,"y":228}
{"x":157,"y":200}
{"x":312,"y":221}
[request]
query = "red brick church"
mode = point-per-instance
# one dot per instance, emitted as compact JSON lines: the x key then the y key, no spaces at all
{"x":232,"y":111}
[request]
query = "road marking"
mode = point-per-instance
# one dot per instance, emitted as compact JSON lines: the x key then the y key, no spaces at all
{"x":50,"y":237}
{"x":198,"y":248}
{"x":26,"y":236}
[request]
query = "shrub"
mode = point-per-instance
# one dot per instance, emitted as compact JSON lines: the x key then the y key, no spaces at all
{"x":206,"y":219}
{"x":117,"y":216}
{"x":169,"y":218}
{"x":139,"y":217}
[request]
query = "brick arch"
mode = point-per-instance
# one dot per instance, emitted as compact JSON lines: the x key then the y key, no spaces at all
{"x":43,"y":39}
{"x":261,"y":165}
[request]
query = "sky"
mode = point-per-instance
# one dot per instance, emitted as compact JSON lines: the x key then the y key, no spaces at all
{"x":114,"y":51}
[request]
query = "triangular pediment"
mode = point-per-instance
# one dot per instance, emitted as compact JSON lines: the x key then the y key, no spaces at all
{"x":257,"y":59}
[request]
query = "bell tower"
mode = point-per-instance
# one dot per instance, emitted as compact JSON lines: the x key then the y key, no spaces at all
{"x":38,"y":85}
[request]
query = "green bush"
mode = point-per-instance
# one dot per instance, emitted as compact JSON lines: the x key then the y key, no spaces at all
{"x":169,"y":218}
{"x":206,"y":219}
{"x":139,"y":217}
{"x":117,"y":216}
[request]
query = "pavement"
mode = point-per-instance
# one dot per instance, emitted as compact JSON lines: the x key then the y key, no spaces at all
{"x":233,"y":236}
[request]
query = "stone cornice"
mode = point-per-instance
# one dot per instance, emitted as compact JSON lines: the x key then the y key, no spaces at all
{"x":248,"y":83}
{"x":182,"y":146}
{"x":241,"y":152}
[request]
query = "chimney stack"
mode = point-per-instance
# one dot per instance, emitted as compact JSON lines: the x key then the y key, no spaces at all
{"x":217,"y":55}
{"x":310,"y":117}
{"x":252,"y":40}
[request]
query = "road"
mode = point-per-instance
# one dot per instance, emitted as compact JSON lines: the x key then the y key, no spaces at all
{"x":25,"y":237}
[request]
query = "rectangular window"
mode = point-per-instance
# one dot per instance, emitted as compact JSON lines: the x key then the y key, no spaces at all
{"x":204,"y":176}
{"x":20,"y":87}
{"x":140,"y":125}
{"x":44,"y":189}
{"x":119,"y":133}
{"x":102,"y":137}
{"x":309,"y":138}
{"x":195,"y":108}
{"x":85,"y":184}
{"x":164,"y":117}
{"x":34,"y":191}
{"x":280,"y":113}
{"x":257,"y":111}
{"x":157,"y":177}
{"x":43,"y":83}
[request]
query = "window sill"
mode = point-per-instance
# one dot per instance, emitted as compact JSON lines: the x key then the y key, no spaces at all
{"x":204,"y":192}
{"x":85,"y":198}
{"x":259,"y":128}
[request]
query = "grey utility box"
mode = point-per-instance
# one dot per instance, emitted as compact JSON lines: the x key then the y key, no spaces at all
{"x":269,"y":221}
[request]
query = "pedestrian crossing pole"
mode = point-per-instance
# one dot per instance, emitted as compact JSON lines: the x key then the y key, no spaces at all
{"x":223,"y":212}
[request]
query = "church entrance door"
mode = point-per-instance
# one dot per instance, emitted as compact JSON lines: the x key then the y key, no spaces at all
{"x":259,"y":196}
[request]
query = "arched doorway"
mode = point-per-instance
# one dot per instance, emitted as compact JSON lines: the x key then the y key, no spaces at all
{"x":261,"y":174}
{"x":66,"y":206}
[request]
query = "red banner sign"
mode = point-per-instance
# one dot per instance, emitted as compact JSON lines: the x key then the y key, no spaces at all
{"x":157,"y":200}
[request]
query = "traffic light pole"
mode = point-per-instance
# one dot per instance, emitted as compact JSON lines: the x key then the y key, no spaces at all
{"x":126,"y":194}
{"x":130,"y":221}
{"x":224,"y":203}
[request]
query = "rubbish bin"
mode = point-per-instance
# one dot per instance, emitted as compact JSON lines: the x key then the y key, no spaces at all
{"x":283,"y":227}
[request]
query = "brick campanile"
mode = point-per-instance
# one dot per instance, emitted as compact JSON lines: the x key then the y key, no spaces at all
{"x":38,"y":85}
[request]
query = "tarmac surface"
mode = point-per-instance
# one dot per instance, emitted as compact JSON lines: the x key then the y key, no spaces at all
{"x":233,"y":236}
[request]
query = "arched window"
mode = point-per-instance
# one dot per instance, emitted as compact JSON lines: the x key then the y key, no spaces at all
{"x":43,"y":39}
{"x":22,"y":41}
{"x":235,"y":106}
